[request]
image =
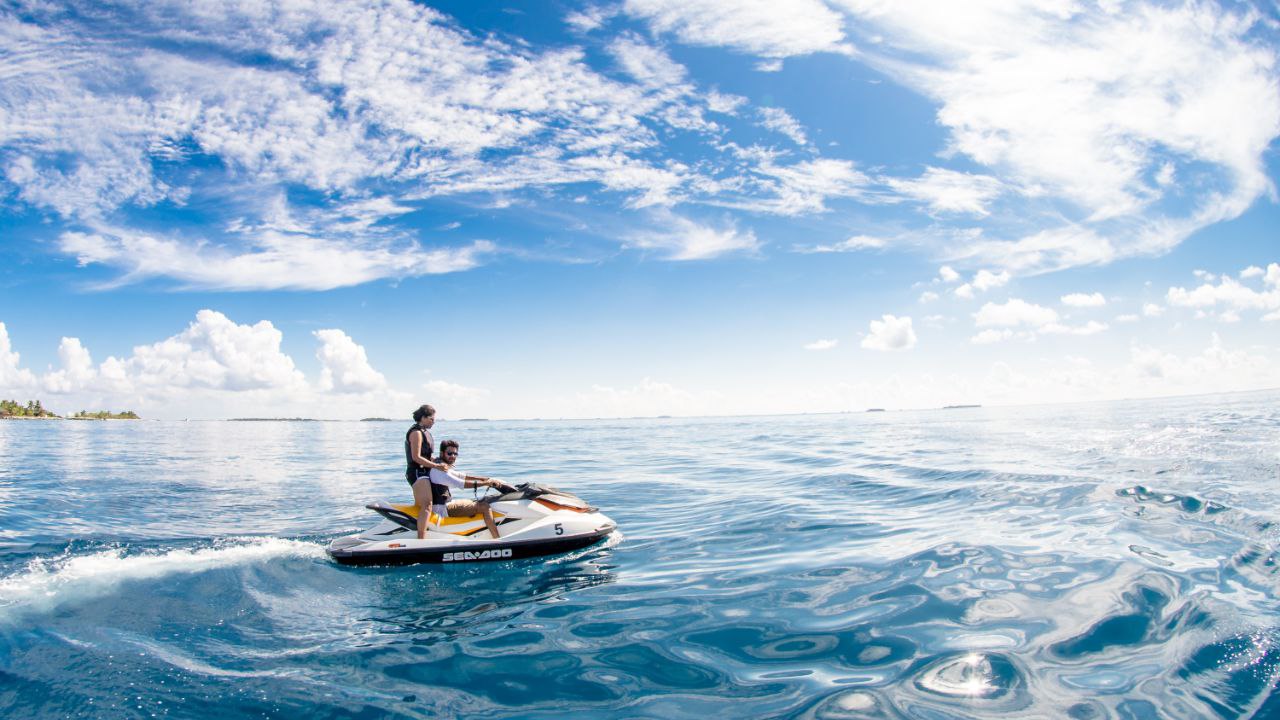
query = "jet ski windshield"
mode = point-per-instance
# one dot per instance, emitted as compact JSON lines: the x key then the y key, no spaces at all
{"x":534,"y":491}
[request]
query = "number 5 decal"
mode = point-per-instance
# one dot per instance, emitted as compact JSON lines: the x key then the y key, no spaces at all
{"x":559,"y":529}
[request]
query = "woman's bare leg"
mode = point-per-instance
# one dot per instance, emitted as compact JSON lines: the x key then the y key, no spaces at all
{"x":422,"y":498}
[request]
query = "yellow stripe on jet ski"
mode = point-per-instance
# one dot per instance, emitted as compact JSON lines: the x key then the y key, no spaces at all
{"x":412,"y":511}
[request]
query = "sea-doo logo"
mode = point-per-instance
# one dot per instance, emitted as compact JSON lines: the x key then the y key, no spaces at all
{"x":482,"y":555}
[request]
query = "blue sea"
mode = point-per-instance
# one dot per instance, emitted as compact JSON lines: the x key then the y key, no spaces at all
{"x":1107,"y":560}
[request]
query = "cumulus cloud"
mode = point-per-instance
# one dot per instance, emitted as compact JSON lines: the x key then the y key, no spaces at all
{"x":1014,"y":313}
{"x":1231,"y":294}
{"x":948,"y":275}
{"x":76,"y":371}
{"x":890,"y":333}
{"x":214,"y":366}
{"x":821,"y":345}
{"x":1092,"y":327}
{"x":991,"y":335}
{"x":13,"y":377}
{"x":1084,"y":300}
{"x":1215,"y":368}
{"x":983,"y":280}
{"x":215,"y":353}
{"x":344,"y":365}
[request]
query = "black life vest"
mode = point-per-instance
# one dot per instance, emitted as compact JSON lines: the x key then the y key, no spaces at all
{"x":440,"y":494}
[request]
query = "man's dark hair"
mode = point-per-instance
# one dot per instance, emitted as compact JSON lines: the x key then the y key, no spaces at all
{"x":424,"y":411}
{"x":446,"y":444}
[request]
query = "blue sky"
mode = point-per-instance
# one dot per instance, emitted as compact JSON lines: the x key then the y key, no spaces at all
{"x":634,"y":208}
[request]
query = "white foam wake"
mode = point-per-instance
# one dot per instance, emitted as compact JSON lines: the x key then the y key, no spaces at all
{"x":49,"y":582}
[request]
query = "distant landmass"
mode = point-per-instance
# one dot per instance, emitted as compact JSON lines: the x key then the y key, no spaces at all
{"x":105,"y":415}
{"x":375,"y":419}
{"x":474,"y":420}
{"x":958,"y":407}
{"x":875,"y":409}
{"x":296,"y":419}
{"x":34,"y":410}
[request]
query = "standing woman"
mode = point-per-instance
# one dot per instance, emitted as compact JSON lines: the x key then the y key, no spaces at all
{"x":418,"y":448}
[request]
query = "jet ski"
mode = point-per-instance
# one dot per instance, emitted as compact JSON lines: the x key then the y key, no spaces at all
{"x":533,"y":520}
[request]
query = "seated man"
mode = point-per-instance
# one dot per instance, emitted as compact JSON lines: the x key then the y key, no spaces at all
{"x":452,"y":478}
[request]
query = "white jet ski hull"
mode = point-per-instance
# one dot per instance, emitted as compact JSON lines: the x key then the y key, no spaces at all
{"x":533,"y":521}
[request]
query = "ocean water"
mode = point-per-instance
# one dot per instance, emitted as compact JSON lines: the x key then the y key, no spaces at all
{"x":1112,"y":560}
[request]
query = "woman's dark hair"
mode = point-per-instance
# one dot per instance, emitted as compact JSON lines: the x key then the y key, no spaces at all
{"x":446,"y":444}
{"x":424,"y":411}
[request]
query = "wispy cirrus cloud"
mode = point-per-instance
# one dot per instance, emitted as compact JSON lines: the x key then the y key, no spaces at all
{"x":679,"y":238}
{"x":1107,"y":108}
{"x":759,"y":27}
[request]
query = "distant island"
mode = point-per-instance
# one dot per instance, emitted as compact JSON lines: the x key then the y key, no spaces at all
{"x":33,"y":409}
{"x":474,"y":420}
{"x":105,"y":415}
{"x":959,"y":407}
{"x":875,"y":409}
{"x":295,"y":419}
{"x":13,"y":410}
{"x":375,"y":419}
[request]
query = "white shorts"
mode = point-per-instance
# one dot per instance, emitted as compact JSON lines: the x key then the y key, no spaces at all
{"x":441,"y":510}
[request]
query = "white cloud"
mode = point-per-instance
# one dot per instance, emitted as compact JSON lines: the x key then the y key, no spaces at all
{"x":371,"y":107}
{"x":983,"y":280}
{"x":1152,"y":310}
{"x":928,"y":296}
{"x":797,"y":189}
{"x":947,"y":275}
{"x":948,"y":191}
{"x":685,"y":239}
{"x":1127,"y":318}
{"x":1052,"y":249}
{"x":273,"y":260}
{"x":821,"y":345}
{"x":991,"y":335}
{"x":445,"y":394}
{"x":77,"y":370}
{"x":854,"y":243}
{"x":13,"y":377}
{"x":1014,"y":313}
{"x":761,"y":27}
{"x":1092,"y":327}
{"x":589,"y":19}
{"x":1111,"y":111}
{"x":1216,"y":368}
{"x":890,"y":333}
{"x":1251,"y":272}
{"x":649,"y":398}
{"x":1084,"y":300}
{"x":780,"y":121}
{"x":1232,"y":294}
{"x":344,"y":365}
{"x":215,"y":353}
